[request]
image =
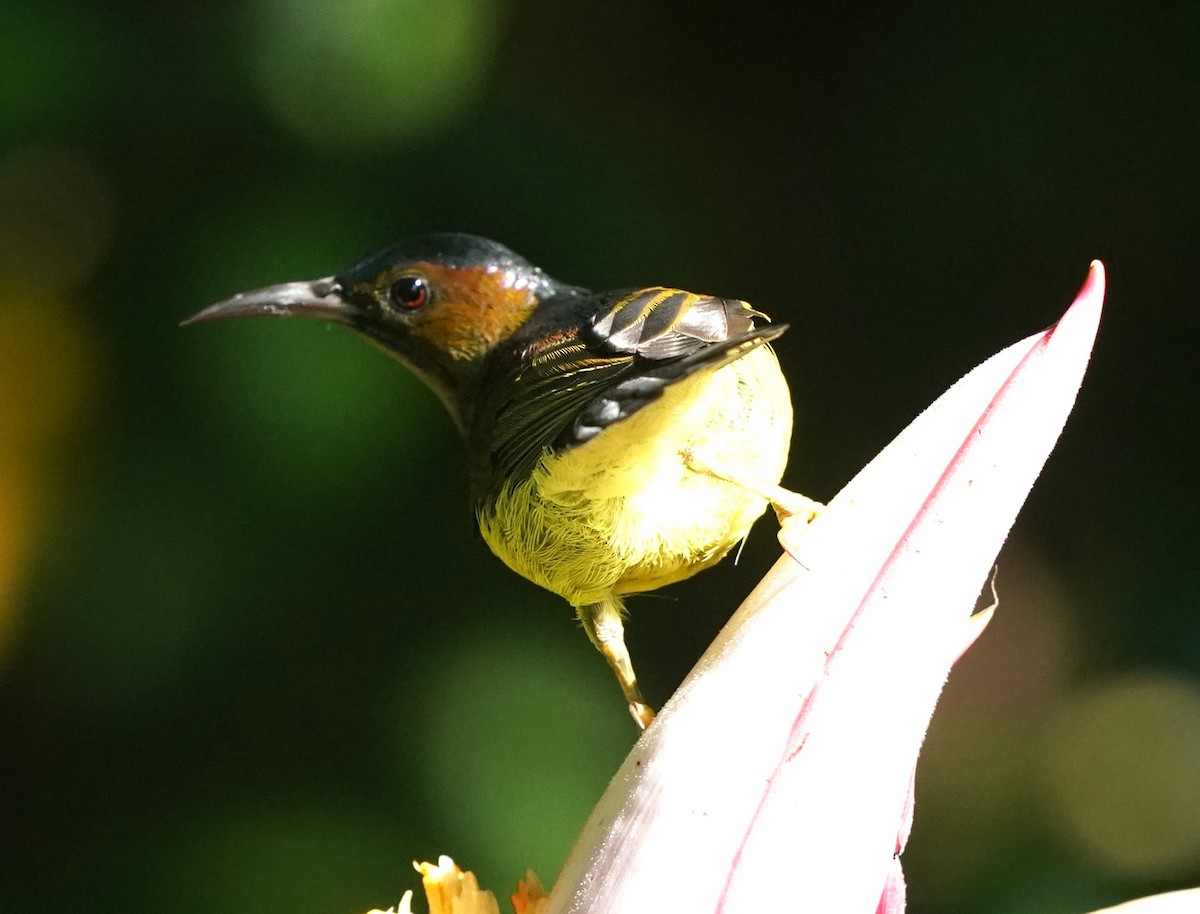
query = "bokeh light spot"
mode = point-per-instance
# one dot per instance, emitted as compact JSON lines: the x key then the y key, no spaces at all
{"x":1122,"y":766}
{"x":377,"y":73}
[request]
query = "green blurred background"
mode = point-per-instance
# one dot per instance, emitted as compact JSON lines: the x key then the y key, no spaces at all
{"x":253,"y":655}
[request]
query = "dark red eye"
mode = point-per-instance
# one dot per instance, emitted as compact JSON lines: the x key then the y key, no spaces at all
{"x":409,"y":292}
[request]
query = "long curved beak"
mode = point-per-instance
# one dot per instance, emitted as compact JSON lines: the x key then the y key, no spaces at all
{"x":320,"y":298}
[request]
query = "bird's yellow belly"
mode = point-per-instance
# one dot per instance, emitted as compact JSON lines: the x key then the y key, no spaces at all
{"x":626,"y":512}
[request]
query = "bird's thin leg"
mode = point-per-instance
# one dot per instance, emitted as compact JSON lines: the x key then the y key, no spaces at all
{"x":602,"y":622}
{"x":787,"y":504}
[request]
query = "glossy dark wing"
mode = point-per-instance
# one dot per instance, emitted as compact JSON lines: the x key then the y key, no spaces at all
{"x":565,"y":392}
{"x":669,"y":334}
{"x":660,"y":323}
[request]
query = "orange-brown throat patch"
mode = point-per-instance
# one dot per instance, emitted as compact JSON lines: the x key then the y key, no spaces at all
{"x":474,"y":308}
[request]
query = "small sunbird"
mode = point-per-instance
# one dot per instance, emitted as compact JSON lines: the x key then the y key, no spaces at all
{"x":616,"y":441}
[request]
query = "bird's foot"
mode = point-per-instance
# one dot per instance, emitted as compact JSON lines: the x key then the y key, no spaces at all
{"x":790,"y":506}
{"x":643,"y":714}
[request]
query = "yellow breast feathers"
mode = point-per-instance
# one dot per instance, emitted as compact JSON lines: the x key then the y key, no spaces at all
{"x":649,"y":501}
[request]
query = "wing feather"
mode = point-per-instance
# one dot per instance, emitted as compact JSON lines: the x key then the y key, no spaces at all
{"x":562,"y":394}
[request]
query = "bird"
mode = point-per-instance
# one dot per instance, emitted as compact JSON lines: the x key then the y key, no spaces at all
{"x":616,"y":442}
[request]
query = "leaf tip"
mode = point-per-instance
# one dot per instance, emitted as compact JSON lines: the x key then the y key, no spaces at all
{"x":1094,"y":284}
{"x":1091,"y":293}
{"x":1083,"y":317}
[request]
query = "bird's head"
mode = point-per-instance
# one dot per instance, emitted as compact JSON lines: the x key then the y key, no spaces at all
{"x":439,"y":303}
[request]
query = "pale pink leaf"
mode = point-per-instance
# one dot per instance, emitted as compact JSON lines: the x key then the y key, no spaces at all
{"x":1186,"y":901}
{"x":778,"y":777}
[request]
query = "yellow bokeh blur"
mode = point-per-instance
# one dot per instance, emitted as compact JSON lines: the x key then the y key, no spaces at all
{"x":55,"y":226}
{"x":48,"y":369}
{"x":1122,"y":772}
{"x":377,"y":73}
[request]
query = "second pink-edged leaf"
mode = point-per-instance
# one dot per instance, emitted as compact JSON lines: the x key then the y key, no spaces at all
{"x":1186,"y":901}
